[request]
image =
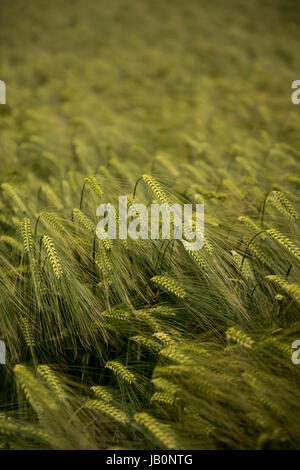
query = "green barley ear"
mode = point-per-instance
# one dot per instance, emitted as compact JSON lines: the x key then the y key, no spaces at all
{"x":208,"y":246}
{"x":245,"y":163}
{"x":156,"y":188}
{"x":37,"y":277}
{"x":106,"y":283}
{"x":145,"y":316}
{"x":125,"y":244}
{"x":26,"y":234}
{"x":109,"y":410}
{"x":251,"y":225}
{"x":282,"y":347}
{"x":258,"y":252}
{"x":51,"y":196}
{"x":211,"y":220}
{"x":292,"y":179}
{"x":161,"y":431}
{"x":285,"y":242}
{"x":162,"y":310}
{"x":11,"y":242}
{"x":106,"y":243}
{"x":117,"y":314}
{"x":233,"y":188}
{"x":164,"y":160}
{"x":246,"y":269}
{"x":27,"y":332}
{"x":84,"y":220}
{"x":147,"y":342}
{"x":260,"y":394}
{"x":208,"y":194}
{"x":164,"y":338}
{"x":102,"y":259}
{"x":175,"y":354}
{"x":193,"y":348}
{"x":67,"y":193}
{"x":52,"y":220}
{"x":292,"y":289}
{"x":170,"y":370}
{"x":51,"y":379}
{"x":281,"y":202}
{"x":103,"y":393}
{"x":30,"y":432}
{"x":91,"y":181}
{"x":52,"y":255}
{"x":196,"y":255}
{"x":279,"y":297}
{"x":36,"y":393}
{"x":163,"y":398}
{"x":165,"y":385}
{"x":198,"y":424}
{"x":12,"y":195}
{"x":170,"y":285}
{"x":121,"y":371}
{"x":239,"y":337}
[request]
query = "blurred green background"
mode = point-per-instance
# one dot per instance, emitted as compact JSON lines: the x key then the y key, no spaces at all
{"x":141,"y":74}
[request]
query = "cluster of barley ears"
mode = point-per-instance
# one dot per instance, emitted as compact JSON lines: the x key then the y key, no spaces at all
{"x":147,"y":343}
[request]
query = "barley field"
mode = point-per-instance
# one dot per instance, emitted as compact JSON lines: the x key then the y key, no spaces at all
{"x":145,"y":344}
